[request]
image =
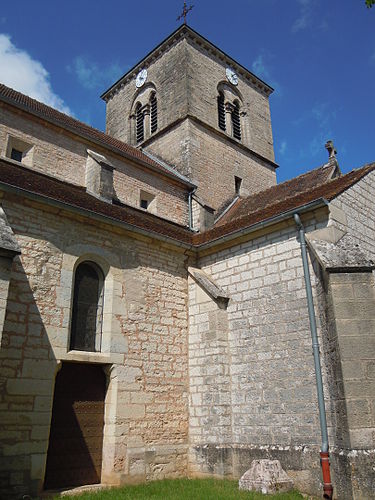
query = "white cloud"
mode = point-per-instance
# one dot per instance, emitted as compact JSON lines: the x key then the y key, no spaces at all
{"x":305,"y":15}
{"x":283,"y":148}
{"x":91,"y":76}
{"x":261,"y":69}
{"x":21,"y":72}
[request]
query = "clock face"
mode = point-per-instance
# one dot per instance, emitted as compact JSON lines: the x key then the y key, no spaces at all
{"x":141,"y":78}
{"x":232,"y":77}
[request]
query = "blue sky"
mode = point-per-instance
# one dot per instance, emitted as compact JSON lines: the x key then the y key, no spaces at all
{"x":319,"y":56}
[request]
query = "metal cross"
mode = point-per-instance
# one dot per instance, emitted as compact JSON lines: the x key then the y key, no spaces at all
{"x":184,"y":12}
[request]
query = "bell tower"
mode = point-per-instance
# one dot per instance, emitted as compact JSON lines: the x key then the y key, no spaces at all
{"x":195,"y":107}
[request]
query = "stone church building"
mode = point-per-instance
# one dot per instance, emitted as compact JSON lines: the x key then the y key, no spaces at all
{"x":154,"y":315}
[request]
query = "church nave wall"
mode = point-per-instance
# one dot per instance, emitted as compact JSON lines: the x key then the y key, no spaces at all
{"x":143,"y":349}
{"x":62,"y":155}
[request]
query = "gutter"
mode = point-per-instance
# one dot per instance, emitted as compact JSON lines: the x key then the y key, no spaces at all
{"x":190,"y":207}
{"x":150,"y":233}
{"x":94,"y":215}
{"x":324,"y":454}
{"x":321,"y":202}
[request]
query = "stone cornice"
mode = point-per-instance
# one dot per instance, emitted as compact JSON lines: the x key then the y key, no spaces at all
{"x":220,"y":133}
{"x":185,"y":32}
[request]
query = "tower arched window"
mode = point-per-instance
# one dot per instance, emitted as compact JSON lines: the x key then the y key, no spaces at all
{"x":140,"y":133}
{"x":87,"y":314}
{"x":154,"y":113}
{"x":221,"y":111}
{"x":236,"y":121}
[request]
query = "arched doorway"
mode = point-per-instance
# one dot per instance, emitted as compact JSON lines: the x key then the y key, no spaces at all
{"x":76,"y":439}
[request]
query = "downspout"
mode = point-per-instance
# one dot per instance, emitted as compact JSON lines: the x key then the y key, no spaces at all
{"x":190,"y":202}
{"x":324,"y":453}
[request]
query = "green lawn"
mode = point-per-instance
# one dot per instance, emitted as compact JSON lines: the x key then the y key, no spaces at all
{"x":184,"y":489}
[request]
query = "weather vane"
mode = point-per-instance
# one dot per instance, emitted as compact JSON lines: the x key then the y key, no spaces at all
{"x":185,"y":12}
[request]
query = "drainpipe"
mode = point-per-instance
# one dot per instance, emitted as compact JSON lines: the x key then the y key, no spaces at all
{"x":324,"y":453}
{"x":190,"y":201}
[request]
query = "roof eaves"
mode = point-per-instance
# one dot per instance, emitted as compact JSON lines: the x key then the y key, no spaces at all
{"x":319,"y":202}
{"x":170,"y":173}
{"x":87,"y":212}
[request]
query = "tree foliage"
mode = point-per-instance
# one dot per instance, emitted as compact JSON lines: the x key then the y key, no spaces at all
{"x":370,"y":3}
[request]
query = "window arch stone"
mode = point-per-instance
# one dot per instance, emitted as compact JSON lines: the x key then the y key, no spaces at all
{"x":144,"y":113}
{"x":113,"y":342}
{"x":230,"y":110}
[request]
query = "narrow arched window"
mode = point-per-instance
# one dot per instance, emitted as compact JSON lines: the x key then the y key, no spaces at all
{"x":154,"y":113}
{"x":236,"y":121}
{"x":87,"y":314}
{"x":221,"y":111}
{"x":140,"y":133}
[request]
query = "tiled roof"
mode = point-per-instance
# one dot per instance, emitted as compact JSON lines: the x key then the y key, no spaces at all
{"x":82,"y":129}
{"x":75,"y":196}
{"x":279,"y":192}
{"x":284,"y":201}
{"x":260,"y":207}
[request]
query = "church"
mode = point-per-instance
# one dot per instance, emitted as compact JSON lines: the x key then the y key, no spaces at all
{"x":160,"y":291}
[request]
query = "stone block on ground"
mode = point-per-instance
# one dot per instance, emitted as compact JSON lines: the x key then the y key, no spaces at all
{"x":265,"y":476}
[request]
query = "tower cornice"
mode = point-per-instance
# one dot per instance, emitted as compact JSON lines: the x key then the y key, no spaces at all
{"x":185,"y":32}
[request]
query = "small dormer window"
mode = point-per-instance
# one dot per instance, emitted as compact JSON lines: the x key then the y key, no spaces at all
{"x":19,"y":150}
{"x":154,"y":113}
{"x":236,"y":121}
{"x":147,"y":201}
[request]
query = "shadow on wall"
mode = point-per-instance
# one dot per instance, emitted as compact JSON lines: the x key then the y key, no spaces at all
{"x":27,"y":370}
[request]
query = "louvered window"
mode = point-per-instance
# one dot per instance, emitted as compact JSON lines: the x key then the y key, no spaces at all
{"x":154,"y":114}
{"x":221,"y":111}
{"x":236,"y":121}
{"x":87,"y":314}
{"x":139,"y":124}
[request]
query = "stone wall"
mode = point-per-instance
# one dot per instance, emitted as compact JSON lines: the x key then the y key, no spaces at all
{"x":167,"y":74}
{"x":143,"y":353}
{"x":62,"y":155}
{"x":186,"y":78}
{"x":351,"y":339}
{"x":253,"y":391}
{"x":359,"y":218}
{"x":209,"y":162}
{"x":205,"y":72}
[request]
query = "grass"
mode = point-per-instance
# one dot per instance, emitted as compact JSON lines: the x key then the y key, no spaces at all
{"x":182,"y":489}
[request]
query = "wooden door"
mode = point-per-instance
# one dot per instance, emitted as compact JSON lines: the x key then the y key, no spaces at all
{"x":76,"y":439}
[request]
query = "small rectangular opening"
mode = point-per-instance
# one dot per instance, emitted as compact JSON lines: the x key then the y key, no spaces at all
{"x":147,"y":201}
{"x":19,"y":150}
{"x":237,"y":185}
{"x":16,"y":154}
